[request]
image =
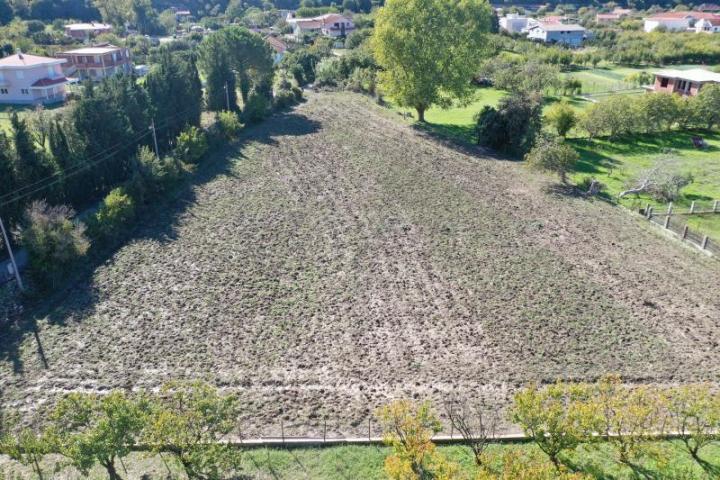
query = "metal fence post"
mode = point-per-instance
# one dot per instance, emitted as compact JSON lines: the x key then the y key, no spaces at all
{"x":692,"y":207}
{"x":282,"y":431}
{"x":325,"y":430}
{"x":704,"y":242}
{"x":685,"y":232}
{"x":667,"y":221}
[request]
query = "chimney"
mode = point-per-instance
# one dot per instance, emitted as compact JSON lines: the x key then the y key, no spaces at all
{"x":20,"y":55}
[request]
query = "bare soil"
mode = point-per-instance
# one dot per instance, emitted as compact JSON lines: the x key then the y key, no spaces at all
{"x":341,"y":258}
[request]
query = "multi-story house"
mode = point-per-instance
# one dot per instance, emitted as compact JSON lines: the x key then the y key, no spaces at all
{"x":30,"y":80}
{"x":571,"y":35}
{"x":83,"y":31}
{"x":97,"y":62}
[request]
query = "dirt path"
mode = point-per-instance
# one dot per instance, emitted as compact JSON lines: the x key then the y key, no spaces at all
{"x":343,"y":259}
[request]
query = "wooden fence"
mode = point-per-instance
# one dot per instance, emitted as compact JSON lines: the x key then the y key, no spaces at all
{"x":675,"y":220}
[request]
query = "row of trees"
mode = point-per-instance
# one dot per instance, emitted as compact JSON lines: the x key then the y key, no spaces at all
{"x":185,"y":421}
{"x":191,"y":422}
{"x":622,"y":421}
{"x":77,"y":156}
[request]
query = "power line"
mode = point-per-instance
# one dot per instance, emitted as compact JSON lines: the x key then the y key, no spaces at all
{"x":82,"y":167}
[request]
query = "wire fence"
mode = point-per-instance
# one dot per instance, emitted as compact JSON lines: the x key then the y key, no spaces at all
{"x":675,"y":221}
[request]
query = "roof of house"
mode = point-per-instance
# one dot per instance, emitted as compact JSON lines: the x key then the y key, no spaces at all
{"x":622,"y":11}
{"x":560,"y":27}
{"x":48,"y":82}
{"x":88,"y":26}
{"x":96,"y":50}
{"x":608,"y":16}
{"x":715,"y":22}
{"x":278,"y":45}
{"x":699,"y":75}
{"x":709,"y":7}
{"x":552,"y":19}
{"x":20,"y":60}
{"x":682,"y":15}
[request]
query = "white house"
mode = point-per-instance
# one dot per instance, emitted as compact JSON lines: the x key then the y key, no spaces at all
{"x":97,"y":62}
{"x":513,"y":23}
{"x":330,"y":25}
{"x":81,"y":31}
{"x":571,"y":35}
{"x":708,"y":25}
{"x":677,"y":21}
{"x":30,"y":79}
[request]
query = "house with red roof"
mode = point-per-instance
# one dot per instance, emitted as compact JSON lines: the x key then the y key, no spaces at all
{"x":278,"y":46}
{"x":677,"y":21}
{"x":31,"y":80}
{"x":330,"y":25}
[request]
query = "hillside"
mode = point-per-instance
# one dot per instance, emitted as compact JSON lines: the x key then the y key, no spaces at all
{"x":341,"y":258}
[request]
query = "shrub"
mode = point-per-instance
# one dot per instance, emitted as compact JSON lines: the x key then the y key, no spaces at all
{"x":327,"y":72}
{"x":408,"y":431}
{"x":297,"y":91}
{"x":230,"y":125}
{"x":53,"y":240}
{"x":552,"y":155}
{"x":256,"y":108}
{"x":511,"y":128}
{"x":191,"y":145}
{"x":284,"y":99}
{"x":562,"y":117}
{"x":153,"y":175}
{"x":362,"y":80}
{"x":116,"y":211}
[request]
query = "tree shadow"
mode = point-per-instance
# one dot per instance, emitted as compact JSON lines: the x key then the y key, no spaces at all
{"x":158,"y":221}
{"x":458,"y":138}
{"x":648,"y":144}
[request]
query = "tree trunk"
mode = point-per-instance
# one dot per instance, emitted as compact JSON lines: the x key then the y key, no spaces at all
{"x":112,"y":472}
{"x":420,"y":113}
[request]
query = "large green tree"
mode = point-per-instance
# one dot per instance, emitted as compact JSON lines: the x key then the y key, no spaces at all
{"x":429,"y":50}
{"x":231,"y":57}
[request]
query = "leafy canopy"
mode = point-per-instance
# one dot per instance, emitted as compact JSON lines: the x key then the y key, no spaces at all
{"x":429,"y":49}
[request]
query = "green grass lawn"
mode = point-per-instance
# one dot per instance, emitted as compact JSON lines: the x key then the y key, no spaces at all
{"x":612,"y":77}
{"x":457,"y":122}
{"x":614,"y":163}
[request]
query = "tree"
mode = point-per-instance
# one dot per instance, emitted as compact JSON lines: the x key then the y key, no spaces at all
{"x":30,"y":163}
{"x":421,"y":65}
{"x":6,"y":12}
{"x":116,"y":210}
{"x":552,"y":155}
{"x":695,"y":415}
{"x":663,"y":181}
{"x":190,"y":420}
{"x":562,"y":117}
{"x":232,"y":57}
{"x":98,"y":429}
{"x":191,"y":145}
{"x":511,"y":128}
{"x":28,"y":447}
{"x":408,"y":430}
{"x":707,"y":103}
{"x":476,"y":428}
{"x":175,"y":76}
{"x":629,"y":417}
{"x":9,"y":212}
{"x":53,"y":241}
{"x":556,"y":418}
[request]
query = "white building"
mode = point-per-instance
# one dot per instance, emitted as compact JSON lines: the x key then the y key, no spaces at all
{"x":30,"y":80}
{"x":706,"y":25}
{"x":677,"y":21}
{"x":330,"y":25}
{"x":571,"y":35}
{"x":513,"y":23}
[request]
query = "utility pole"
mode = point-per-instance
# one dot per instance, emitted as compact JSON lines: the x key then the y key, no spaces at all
{"x":227,"y":97}
{"x":12,"y":257}
{"x":157,"y":150}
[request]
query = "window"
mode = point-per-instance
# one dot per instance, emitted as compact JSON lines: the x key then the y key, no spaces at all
{"x":4,"y":91}
{"x":663,"y":82}
{"x":25,"y":91}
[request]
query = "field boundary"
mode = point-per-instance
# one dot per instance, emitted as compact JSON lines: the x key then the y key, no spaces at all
{"x":670,"y":222}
